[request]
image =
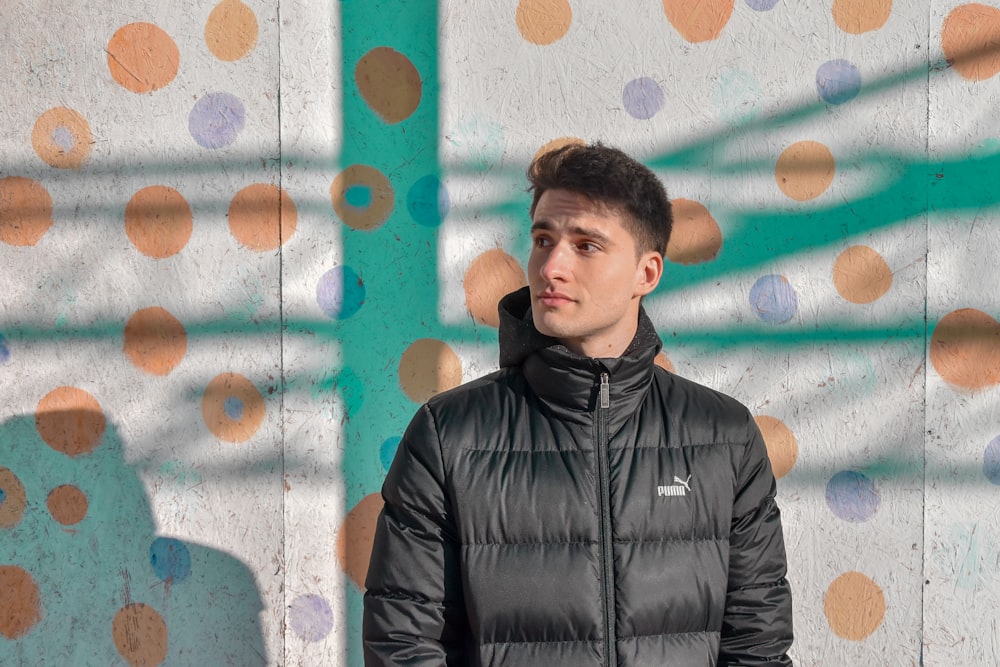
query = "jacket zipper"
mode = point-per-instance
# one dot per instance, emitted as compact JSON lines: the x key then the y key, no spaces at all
{"x":607,"y":550}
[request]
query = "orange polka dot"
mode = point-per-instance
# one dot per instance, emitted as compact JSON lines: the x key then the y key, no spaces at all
{"x":67,"y":504}
{"x":362,"y":197}
{"x":782,"y":447}
{"x":20,"y":605}
{"x":489,"y":278}
{"x":14,"y":502}
{"x":858,"y":16}
{"x":354,"y":540}
{"x":388,"y":83}
{"x":543,"y":21}
{"x":663,"y":361}
{"x":695,"y":236}
{"x":158,"y":221}
{"x":965,"y":349}
{"x":262,"y":217}
{"x":140,"y":635}
{"x":232,"y":407}
{"x":969,"y":40}
{"x":142,"y":57}
{"x":25,"y":211}
{"x":556,"y":144}
{"x":861,"y":275}
{"x":698,"y":21}
{"x":155,"y":340}
{"x":428,"y":367}
{"x":70,"y":421}
{"x":854,"y":606}
{"x":62,"y":139}
{"x":231,"y":30}
{"x":805,"y":170}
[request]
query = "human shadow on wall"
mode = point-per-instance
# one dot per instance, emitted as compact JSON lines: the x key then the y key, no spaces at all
{"x":85,"y":579}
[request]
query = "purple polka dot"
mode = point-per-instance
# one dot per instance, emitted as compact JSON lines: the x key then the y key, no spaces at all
{"x":643,"y":98}
{"x":216,"y":120}
{"x":311,"y":617}
{"x":761,"y":5}
{"x":991,"y":461}
{"x":233,"y":407}
{"x":63,"y":138}
{"x":4,"y":351}
{"x":773,"y":299}
{"x":838,"y":81}
{"x":340,"y":292}
{"x":852,"y":496}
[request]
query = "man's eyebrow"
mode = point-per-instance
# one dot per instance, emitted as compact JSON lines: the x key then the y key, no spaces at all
{"x":575,"y":230}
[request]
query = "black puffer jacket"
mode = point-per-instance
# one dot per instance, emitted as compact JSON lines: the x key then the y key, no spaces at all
{"x":574,"y":511}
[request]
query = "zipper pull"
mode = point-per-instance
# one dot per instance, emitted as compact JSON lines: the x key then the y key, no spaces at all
{"x":605,"y":391}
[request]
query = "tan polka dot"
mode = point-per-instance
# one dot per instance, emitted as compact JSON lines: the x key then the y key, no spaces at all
{"x":854,"y":606}
{"x":158,"y":221}
{"x":14,"y":499}
{"x":231,"y":30}
{"x":556,"y":144}
{"x":805,"y":170}
{"x":543,"y":21}
{"x":488,"y":279}
{"x":782,"y":447}
{"x":61,"y":138}
{"x":428,"y":367}
{"x":70,"y":421}
{"x":20,"y":604}
{"x":389,"y":84}
{"x":262,"y":217}
{"x":663,"y":361}
{"x":67,"y":504}
{"x":695,"y":236}
{"x":25,"y":211}
{"x":362,"y":197}
{"x":155,"y":340}
{"x":965,"y":349}
{"x":142,"y":57}
{"x":354,"y":540}
{"x":700,"y":21}
{"x":232,"y":407}
{"x":969,"y":40}
{"x":858,"y":16}
{"x":861,"y":275}
{"x":140,"y":635}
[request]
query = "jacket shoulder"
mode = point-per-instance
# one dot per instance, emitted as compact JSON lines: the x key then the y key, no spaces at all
{"x":702,"y":413}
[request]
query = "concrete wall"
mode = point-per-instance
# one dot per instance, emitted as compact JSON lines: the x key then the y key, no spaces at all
{"x":241,"y":242}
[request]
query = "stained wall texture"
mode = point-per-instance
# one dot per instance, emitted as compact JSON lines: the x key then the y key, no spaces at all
{"x":242,"y":241}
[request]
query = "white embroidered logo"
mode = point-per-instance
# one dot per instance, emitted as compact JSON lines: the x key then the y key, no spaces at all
{"x":680,"y":487}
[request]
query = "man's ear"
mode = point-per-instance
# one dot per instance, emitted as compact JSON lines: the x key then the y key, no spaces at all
{"x":649,"y":270}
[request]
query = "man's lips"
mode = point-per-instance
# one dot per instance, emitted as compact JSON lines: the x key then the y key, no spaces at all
{"x":554,"y":298}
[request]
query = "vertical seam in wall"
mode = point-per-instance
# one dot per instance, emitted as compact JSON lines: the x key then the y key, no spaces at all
{"x":281,"y":346}
{"x":925,"y":350}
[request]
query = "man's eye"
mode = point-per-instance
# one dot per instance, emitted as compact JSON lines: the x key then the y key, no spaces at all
{"x":588,"y":247}
{"x":541,"y":241}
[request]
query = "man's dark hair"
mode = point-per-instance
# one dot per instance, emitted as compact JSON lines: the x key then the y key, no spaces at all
{"x":609,"y":177}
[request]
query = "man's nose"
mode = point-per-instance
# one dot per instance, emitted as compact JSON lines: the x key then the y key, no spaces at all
{"x":556,"y":263}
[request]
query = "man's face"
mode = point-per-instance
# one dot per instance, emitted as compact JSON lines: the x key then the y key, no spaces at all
{"x":585,"y":276}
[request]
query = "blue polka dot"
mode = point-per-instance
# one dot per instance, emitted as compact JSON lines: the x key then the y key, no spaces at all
{"x":991,"y":461}
{"x":358,"y":196}
{"x":170,"y":559}
{"x":643,"y":98}
{"x":4,"y":351}
{"x":233,"y":407}
{"x":216,"y":120}
{"x":761,"y":5}
{"x":388,"y":451}
{"x":773,"y":299}
{"x":310,"y":617}
{"x":838,"y":81}
{"x":340,"y":292}
{"x":428,"y":201}
{"x":63,"y":138}
{"x":852,"y":496}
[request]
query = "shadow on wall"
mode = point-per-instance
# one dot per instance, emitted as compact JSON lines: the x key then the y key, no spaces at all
{"x":84,"y":579}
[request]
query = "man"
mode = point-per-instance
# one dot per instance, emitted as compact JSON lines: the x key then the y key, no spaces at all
{"x":581,"y":506}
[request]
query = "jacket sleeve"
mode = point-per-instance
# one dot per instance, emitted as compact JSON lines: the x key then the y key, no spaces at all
{"x":413,"y":607}
{"x":757,"y":624}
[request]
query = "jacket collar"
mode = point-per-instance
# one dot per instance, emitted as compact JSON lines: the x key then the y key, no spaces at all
{"x":569,"y":382}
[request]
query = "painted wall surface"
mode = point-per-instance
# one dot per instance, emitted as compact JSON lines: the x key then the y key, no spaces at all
{"x":241,"y":243}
